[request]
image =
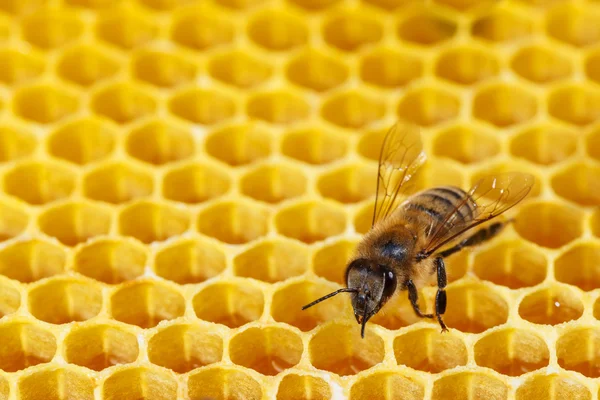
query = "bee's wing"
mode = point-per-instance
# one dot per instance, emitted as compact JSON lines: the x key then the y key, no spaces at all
{"x":490,"y":197}
{"x":400,"y":157}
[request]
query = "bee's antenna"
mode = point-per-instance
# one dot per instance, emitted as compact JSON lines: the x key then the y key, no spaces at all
{"x":364,"y":323}
{"x":329,"y":295}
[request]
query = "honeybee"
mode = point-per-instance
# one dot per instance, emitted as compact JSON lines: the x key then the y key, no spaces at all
{"x":411,"y":235}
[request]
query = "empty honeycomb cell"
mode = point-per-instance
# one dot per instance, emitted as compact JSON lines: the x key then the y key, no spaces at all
{"x":32,"y":260}
{"x":39,"y":182}
{"x":75,"y":222}
{"x":234,"y":222}
{"x":100,"y":346}
{"x":275,"y":349}
{"x":197,"y":260}
{"x":117,"y":182}
{"x":314,"y":146}
{"x":198,"y":29}
{"x":272,"y":261}
{"x":195,"y":183}
{"x":352,"y":30}
{"x":87,"y":65}
{"x":165,"y":69}
{"x":426,"y":28}
{"x":349,"y":184}
{"x":316,"y":70}
{"x":574,"y":25}
{"x":273,"y":183}
{"x":538,"y":144}
{"x":15,"y":143}
{"x":289,"y":300}
{"x":429,"y":350}
{"x":552,"y":386}
{"x":504,"y":105}
{"x":50,"y":29}
{"x":512,"y":352}
{"x":123,"y":103}
{"x":541,"y":64}
{"x":140,"y":383}
{"x":469,"y":385}
{"x":330,"y":261}
{"x":202,"y":106}
{"x":305,"y":387}
{"x":240,"y":69}
{"x":146,"y":303}
{"x":158,"y":142}
{"x":575,"y":104}
{"x":579,"y":183}
{"x":353,"y":109}
{"x":466,"y":144}
{"x":338,"y":348}
{"x":111,"y":260}
{"x":232,"y":303}
{"x":125,"y":28}
{"x":277,"y":30}
{"x":223,"y":383}
{"x":184,"y":347}
{"x":579,"y":266}
{"x":153,"y":222}
{"x":579,"y":350}
{"x":10,"y":297}
{"x":278,"y":107}
{"x":311,"y":222}
{"x":363,"y":219}
{"x":386,"y":386}
{"x":467,"y":65}
{"x":551,"y":306}
{"x":56,"y":384}
{"x":474,"y":308}
{"x":239,"y":144}
{"x":13,"y":221}
{"x":501,"y":26}
{"x":549,"y":224}
{"x":44,"y":104}
{"x":428,"y":106}
{"x":511,"y":263}
{"x":83,"y":141}
{"x":24,"y":345}
{"x":19,"y":67}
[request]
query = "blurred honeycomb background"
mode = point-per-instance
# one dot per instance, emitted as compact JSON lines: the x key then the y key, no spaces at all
{"x":179,"y":177}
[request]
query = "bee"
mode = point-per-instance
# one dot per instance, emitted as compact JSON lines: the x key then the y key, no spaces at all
{"x":411,"y":235}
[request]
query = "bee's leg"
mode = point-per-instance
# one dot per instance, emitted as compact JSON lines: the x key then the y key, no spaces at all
{"x":440,"y":296}
{"x":413,"y":296}
{"x":478,"y":237}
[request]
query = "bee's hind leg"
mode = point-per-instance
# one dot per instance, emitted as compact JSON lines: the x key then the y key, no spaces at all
{"x":440,"y":296}
{"x":413,"y":296}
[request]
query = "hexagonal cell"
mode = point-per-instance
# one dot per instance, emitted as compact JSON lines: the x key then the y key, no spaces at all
{"x":200,"y":30}
{"x":330,"y":261}
{"x":385,"y":386}
{"x":467,"y":65}
{"x":353,"y":109}
{"x":202,"y":106}
{"x":126,"y":28}
{"x":311,"y":221}
{"x":538,"y":144}
{"x":277,"y":30}
{"x":338,"y":348}
{"x":31,"y":260}
{"x":123,"y":102}
{"x":117,"y":182}
{"x":100,"y":346}
{"x":63,"y":300}
{"x":426,"y":28}
{"x":578,"y":350}
{"x":363,"y":219}
{"x":467,"y":385}
{"x":474,"y":307}
{"x":547,"y":386}
{"x":158,"y":142}
{"x":352,"y":30}
{"x":10,"y":297}
{"x":541,"y":64}
{"x":501,"y":26}
{"x":239,"y":144}
{"x":75,"y":222}
{"x":512,"y":263}
{"x":234,"y":222}
{"x":273,"y":184}
{"x":39,"y":182}
{"x":87,"y":65}
{"x":162,"y":68}
{"x":197,"y":260}
{"x":184,"y":347}
{"x":504,"y":105}
{"x":223,"y":383}
{"x":586,"y":256}
{"x":56,"y":384}
{"x":466,"y":144}
{"x":146,"y":303}
{"x":111,"y":260}
{"x":349,"y":184}
{"x":13,"y":220}
{"x":314,"y":145}
{"x":289,"y":300}
{"x":278,"y":107}
{"x":551,"y":306}
{"x":316,"y":70}
{"x":239,"y":68}
{"x":140,"y":383}
{"x":52,"y":28}
{"x":15,"y":143}
{"x":574,"y":25}
{"x":19,"y":67}
{"x":153,"y":222}
{"x":579,"y":183}
{"x":428,"y":105}
{"x":429,"y":350}
{"x":272,"y":261}
{"x":44,"y":104}
{"x":24,"y":345}
{"x":195,"y":183}
{"x":549,"y":224}
{"x":575,"y":104}
{"x":309,"y":387}
{"x":232,"y":304}
{"x":83,"y":141}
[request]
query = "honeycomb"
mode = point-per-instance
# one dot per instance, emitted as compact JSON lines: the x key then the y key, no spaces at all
{"x":179,"y":177}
